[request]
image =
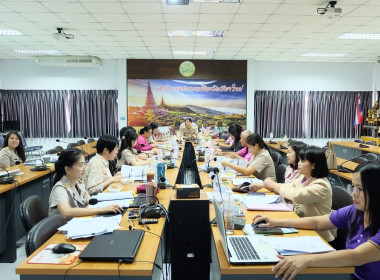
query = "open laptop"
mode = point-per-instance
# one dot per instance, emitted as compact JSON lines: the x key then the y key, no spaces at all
{"x":118,"y":245}
{"x":244,"y":249}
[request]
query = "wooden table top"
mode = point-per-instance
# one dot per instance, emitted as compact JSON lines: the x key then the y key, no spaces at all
{"x":354,"y":145}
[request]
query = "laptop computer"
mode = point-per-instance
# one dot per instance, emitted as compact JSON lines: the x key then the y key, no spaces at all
{"x":244,"y":249}
{"x":118,"y":245}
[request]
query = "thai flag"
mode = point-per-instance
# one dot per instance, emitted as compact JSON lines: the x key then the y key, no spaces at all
{"x":359,"y":117}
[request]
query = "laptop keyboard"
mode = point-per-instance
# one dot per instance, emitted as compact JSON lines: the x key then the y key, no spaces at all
{"x":243,"y":248}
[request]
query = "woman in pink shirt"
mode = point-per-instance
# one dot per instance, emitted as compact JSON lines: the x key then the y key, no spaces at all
{"x":142,"y":141}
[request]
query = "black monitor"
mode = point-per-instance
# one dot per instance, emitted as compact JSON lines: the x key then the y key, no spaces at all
{"x":11,"y":126}
{"x":188,"y":171}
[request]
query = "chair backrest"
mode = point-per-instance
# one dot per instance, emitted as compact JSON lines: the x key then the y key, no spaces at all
{"x":90,"y":140}
{"x":359,"y":141}
{"x":276,"y":157}
{"x":1,"y":141}
{"x":81,"y":142}
{"x":59,"y":148}
{"x":280,"y":173}
{"x":42,"y":231}
{"x":371,"y":157}
{"x":72,"y":145}
{"x":32,"y":210}
{"x":360,"y":160}
{"x":371,"y":143}
{"x":51,"y":151}
{"x":340,"y":197}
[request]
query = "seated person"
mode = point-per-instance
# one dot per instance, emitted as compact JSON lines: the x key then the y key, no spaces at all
{"x":138,"y":155}
{"x":142,"y":141}
{"x":69,"y":196}
{"x":243,"y":153}
{"x":291,"y":172}
{"x":97,"y":175}
{"x":311,"y":193}
{"x":188,"y":130}
{"x":261,"y":164}
{"x":193,"y":124}
{"x":234,"y":131}
{"x":361,"y":219}
{"x":13,"y":150}
{"x":156,"y":135}
{"x":125,"y":155}
{"x":230,"y":140}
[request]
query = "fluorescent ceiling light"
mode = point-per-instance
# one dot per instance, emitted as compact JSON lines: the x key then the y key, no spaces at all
{"x":39,"y":52}
{"x":324,"y":54}
{"x":177,"y":2}
{"x":360,"y":36}
{"x":217,"y":1}
{"x":10,"y":32}
{"x":194,"y":52}
{"x":192,"y":33}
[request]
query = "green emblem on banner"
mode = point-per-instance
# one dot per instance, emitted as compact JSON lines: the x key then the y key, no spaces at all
{"x":187,"y":69}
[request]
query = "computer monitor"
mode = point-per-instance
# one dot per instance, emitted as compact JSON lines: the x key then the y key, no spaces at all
{"x":188,"y":171}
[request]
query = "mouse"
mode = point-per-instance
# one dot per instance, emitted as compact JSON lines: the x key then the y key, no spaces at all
{"x":63,"y":248}
{"x":245,"y":186}
{"x":258,"y":223}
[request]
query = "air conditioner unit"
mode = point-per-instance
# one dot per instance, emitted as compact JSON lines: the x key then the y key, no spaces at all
{"x":69,"y":61}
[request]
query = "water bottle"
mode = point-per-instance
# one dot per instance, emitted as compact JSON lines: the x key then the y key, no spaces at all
{"x":216,"y":189}
{"x":229,"y":209}
{"x":154,"y":167}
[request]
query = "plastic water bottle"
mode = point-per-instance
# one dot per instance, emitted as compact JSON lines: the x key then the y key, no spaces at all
{"x":216,"y":189}
{"x":229,"y":209}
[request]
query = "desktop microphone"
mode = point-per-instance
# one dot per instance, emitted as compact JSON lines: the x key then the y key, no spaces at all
{"x":6,"y":180}
{"x":340,"y":167}
{"x":41,"y":167}
{"x":210,"y":168}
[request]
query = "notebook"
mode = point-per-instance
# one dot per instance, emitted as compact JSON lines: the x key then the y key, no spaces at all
{"x":118,"y":245}
{"x":242,"y":249}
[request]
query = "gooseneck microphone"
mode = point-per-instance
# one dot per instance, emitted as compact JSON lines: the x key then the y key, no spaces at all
{"x":210,"y":168}
{"x":6,"y":180}
{"x":41,"y":167}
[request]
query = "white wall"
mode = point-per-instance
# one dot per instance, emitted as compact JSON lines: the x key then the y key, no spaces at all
{"x":25,"y":74}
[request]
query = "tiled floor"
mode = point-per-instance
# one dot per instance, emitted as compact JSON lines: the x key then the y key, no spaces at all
{"x":8,"y":270}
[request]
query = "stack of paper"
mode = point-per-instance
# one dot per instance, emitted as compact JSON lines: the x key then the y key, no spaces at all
{"x":87,"y":227}
{"x":124,"y":199}
{"x":299,"y":245}
{"x":264,"y":203}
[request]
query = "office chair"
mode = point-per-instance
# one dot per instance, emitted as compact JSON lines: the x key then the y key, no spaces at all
{"x":360,"y":160}
{"x":81,"y":142}
{"x":51,"y":151}
{"x":276,"y":157}
{"x":1,"y":141}
{"x":340,"y":198}
{"x":280,"y":173}
{"x":90,"y":140}
{"x":32,"y":210}
{"x":373,"y":143}
{"x":359,"y":141}
{"x":41,"y":232}
{"x":72,"y":145}
{"x":59,"y":149}
{"x":371,"y":157}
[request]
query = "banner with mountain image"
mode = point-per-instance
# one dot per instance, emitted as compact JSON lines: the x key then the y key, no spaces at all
{"x":170,"y":102}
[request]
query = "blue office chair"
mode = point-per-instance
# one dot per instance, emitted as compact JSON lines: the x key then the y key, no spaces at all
{"x":276,"y":157}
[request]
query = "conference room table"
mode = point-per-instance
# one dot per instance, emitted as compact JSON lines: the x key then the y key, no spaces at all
{"x":151,"y":249}
{"x":28,"y":183}
{"x":350,"y":149}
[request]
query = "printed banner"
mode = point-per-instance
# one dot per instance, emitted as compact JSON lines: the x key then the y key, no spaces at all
{"x":169,"y":102}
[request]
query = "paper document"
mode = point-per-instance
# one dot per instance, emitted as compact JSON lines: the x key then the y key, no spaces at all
{"x":239,"y":181}
{"x":137,"y":173}
{"x":299,"y":245}
{"x":87,"y":227}
{"x":264,"y":203}
{"x":114,"y":196}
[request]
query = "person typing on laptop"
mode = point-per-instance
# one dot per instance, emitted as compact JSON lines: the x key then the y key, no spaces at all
{"x":361,"y":219}
{"x":69,"y":196}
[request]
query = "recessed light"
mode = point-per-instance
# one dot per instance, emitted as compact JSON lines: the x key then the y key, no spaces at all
{"x":10,"y":32}
{"x":360,"y":36}
{"x":193,"y":33}
{"x":39,"y":52}
{"x":194,"y":52}
{"x":324,"y":54}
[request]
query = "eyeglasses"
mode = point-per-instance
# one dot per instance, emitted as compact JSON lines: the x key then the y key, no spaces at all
{"x":355,"y":190}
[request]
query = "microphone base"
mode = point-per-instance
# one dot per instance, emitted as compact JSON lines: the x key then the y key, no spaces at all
{"x":210,"y":169}
{"x":207,"y":186}
{"x":344,"y":169}
{"x":6,"y":180}
{"x":39,"y":168}
{"x":201,"y":159}
{"x":170,"y":166}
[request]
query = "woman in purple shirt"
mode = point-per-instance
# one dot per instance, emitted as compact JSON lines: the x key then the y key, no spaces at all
{"x":362,"y":220}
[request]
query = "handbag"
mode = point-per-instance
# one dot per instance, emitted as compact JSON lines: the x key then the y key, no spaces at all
{"x":331,"y":156}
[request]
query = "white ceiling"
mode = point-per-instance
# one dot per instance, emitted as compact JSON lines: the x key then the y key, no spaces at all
{"x":270,"y":30}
